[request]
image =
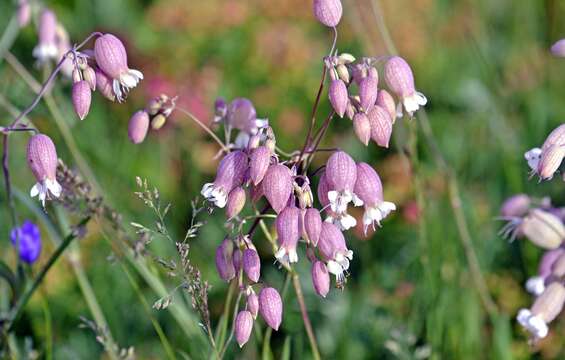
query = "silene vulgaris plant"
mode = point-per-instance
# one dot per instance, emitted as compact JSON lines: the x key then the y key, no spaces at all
{"x":291,"y":204}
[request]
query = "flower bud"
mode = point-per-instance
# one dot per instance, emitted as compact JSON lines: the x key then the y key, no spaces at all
{"x":259,"y":163}
{"x":42,"y":160}
{"x":338,"y":96}
{"x":558,"y":49}
{"x":312,"y":225}
{"x":27,"y":239}
{"x":320,"y":278}
{"x":271,"y":307}
{"x":328,"y":12}
{"x":104,"y":85}
{"x":158,"y":121}
{"x":543,"y":229}
{"x":362,"y":128}
{"x":277,"y":186}
{"x":81,"y":98}
{"x":224,"y":260}
{"x":138,"y":127}
{"x":90,"y":77}
{"x":345,"y":58}
{"x":551,"y":159}
{"x":343,"y":73}
{"x":76,"y":75}
{"x":243,"y":327}
{"x":368,"y":92}
{"x":385,"y":100}
{"x":516,"y":206}
{"x":381,"y":126}
{"x":253,"y":304}
{"x":230,"y":174}
{"x":236,"y":202}
{"x":251,"y":264}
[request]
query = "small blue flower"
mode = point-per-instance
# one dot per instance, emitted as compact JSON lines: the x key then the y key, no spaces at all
{"x":29,"y":239}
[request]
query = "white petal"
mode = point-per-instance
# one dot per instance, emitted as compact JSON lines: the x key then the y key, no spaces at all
{"x":533,"y":157}
{"x":421,"y":99}
{"x":334,"y":268}
{"x":207,"y":189}
{"x":138,"y":74}
{"x":292,"y":256}
{"x":357,"y":201}
{"x":54,"y":187}
{"x":332,"y":196}
{"x":535,"y":285}
{"x":347,"y":221}
{"x":34,"y":190}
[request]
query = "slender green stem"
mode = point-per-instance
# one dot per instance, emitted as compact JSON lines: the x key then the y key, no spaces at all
{"x":204,"y":127}
{"x":17,"y":310}
{"x":305,"y":318}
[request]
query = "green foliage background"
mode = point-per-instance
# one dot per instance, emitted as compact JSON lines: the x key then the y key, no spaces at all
{"x":494,"y":91}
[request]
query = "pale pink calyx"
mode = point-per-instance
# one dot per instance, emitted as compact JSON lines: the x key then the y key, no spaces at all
{"x":400,"y":80}
{"x":46,"y":48}
{"x":369,"y":188}
{"x":42,"y":160}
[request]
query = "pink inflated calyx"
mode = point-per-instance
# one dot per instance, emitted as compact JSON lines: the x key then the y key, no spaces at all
{"x":253,"y":304}
{"x":369,"y":189}
{"x":46,"y":48}
{"x":138,"y":126}
{"x":328,"y":12}
{"x":104,"y":85}
{"x":312,"y":225}
{"x":320,"y":278}
{"x":287,"y":226}
{"x":386,"y":101}
{"x":271,"y":307}
{"x":243,"y":327}
{"x":251,"y":264}
{"x":230,"y":174}
{"x":236,"y":202}
{"x":241,"y":115}
{"x":277,"y":186}
{"x":81,"y":96}
{"x":550,"y":161}
{"x":339,"y":97}
{"x":111,"y":58}
{"x":537,"y":284}
{"x":334,"y":251}
{"x":42,"y":160}
{"x":381,"y":126}
{"x":341,"y":174}
{"x":400,"y":80}
{"x":368,"y":91}
{"x":362,"y":128}
{"x":224,"y":260}
{"x":259,"y":161}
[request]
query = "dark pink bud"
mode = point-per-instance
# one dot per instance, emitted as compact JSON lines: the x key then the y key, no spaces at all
{"x":400,"y":80}
{"x":362,"y":128}
{"x":271,"y":307}
{"x":259,"y":163}
{"x":313,"y":225}
{"x":516,"y":206}
{"x":341,"y":172}
{"x":243,"y":327}
{"x":104,"y":85}
{"x":368,"y":92}
{"x":287,"y":226}
{"x":381,"y":126}
{"x":138,"y":127}
{"x":236,"y":202}
{"x":385,"y":100}
{"x":277,"y":186}
{"x":251,"y":264}
{"x":42,"y":160}
{"x":81,"y":98}
{"x":253,"y":304}
{"x":230,"y":174}
{"x":47,"y":30}
{"x":328,"y":12}
{"x":224,"y":260}
{"x":558,"y":49}
{"x":112,"y":59}
{"x":320,"y":278}
{"x":338,"y":96}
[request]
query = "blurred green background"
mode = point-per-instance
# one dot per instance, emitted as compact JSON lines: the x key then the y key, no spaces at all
{"x":494,"y":91}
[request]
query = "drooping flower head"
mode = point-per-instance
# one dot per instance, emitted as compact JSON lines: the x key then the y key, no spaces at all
{"x":111,"y":58}
{"x":536,"y":284}
{"x":550,"y":160}
{"x":385,"y":100}
{"x":28,"y":240}
{"x":320,"y":278}
{"x":42,"y":160}
{"x":362,"y":127}
{"x":312,"y":225}
{"x":231,"y":171}
{"x":241,"y":115}
{"x":400,"y":80}
{"x":46,"y":48}
{"x":328,"y":12}
{"x":259,"y":163}
{"x":224,"y":260}
{"x":334,"y":251}
{"x":24,"y":12}
{"x":251,"y":264}
{"x":243,"y":327}
{"x":368,"y":91}
{"x":370,"y":190}
{"x":81,"y":96}
{"x":288,"y":234}
{"x":341,"y":219}
{"x":236,"y":202}
{"x":544,"y":310}
{"x":381,"y":126}
{"x":138,"y":126}
{"x":338,"y":96}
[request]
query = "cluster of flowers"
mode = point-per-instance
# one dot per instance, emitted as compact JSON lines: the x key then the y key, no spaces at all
{"x":542,"y":224}
{"x":252,"y":169}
